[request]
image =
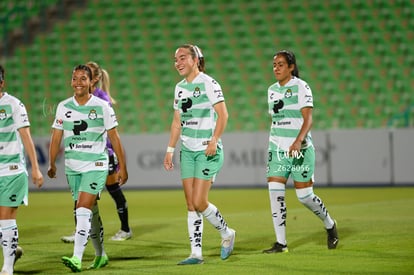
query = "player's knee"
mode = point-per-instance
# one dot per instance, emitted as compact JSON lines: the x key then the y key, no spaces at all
{"x":200,"y":206}
{"x":305,"y":195}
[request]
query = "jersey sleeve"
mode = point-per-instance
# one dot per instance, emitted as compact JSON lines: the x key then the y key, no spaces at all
{"x":270,"y":99}
{"x":110,"y":120}
{"x":305,"y":95}
{"x":20,"y":116}
{"x":214,"y":92}
{"x":176,"y":99}
{"x":58,"y":122}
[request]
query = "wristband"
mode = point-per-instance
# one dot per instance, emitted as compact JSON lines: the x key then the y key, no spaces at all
{"x":170,"y":149}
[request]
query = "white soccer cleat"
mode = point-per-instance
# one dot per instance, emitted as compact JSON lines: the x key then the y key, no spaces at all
{"x":68,"y":239}
{"x":227,"y":245}
{"x":122,"y":236}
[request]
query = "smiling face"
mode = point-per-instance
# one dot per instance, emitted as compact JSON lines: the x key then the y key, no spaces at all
{"x":185,"y":63}
{"x":81,"y":83}
{"x":282,"y":70}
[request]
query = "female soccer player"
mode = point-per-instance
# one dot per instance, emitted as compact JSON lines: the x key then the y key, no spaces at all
{"x":291,"y":151}
{"x":200,"y":117}
{"x":85,"y":121}
{"x":14,"y":188}
{"x":101,"y":88}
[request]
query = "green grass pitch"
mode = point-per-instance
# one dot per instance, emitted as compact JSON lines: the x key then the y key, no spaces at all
{"x":375,"y":226}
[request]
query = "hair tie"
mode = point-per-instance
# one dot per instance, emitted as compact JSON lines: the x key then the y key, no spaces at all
{"x":198,"y":52}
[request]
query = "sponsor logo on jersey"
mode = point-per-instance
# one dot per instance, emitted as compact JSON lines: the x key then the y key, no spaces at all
{"x":68,"y":114}
{"x":279,"y":123}
{"x":78,"y":126}
{"x":186,"y":115}
{"x":79,"y":146}
{"x":59,"y":121}
{"x":186,"y":104}
{"x":278,"y":105}
{"x":113,"y":116}
{"x":78,"y":138}
{"x":187,"y":123}
{"x":219,"y":93}
{"x":99,"y":163}
{"x":13,"y":167}
{"x":25,"y":118}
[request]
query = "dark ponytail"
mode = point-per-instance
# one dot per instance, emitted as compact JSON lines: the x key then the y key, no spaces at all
{"x":1,"y":73}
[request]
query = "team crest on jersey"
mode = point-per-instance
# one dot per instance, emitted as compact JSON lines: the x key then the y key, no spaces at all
{"x":197,"y":92}
{"x":3,"y":114}
{"x":92,"y":115}
{"x":288,"y":93}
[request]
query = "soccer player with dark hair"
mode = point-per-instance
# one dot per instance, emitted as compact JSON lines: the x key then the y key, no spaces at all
{"x":84,"y":121}
{"x":14,"y":188}
{"x":291,"y":151}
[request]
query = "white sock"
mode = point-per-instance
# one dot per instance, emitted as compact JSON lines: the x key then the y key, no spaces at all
{"x":83,"y":227}
{"x":315,"y":204}
{"x":97,"y":232}
{"x":212,"y":214}
{"x":277,"y":193}
{"x":195,"y":231}
{"x":10,"y":238}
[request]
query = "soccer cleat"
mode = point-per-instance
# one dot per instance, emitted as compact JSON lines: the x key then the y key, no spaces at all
{"x":227,"y":245}
{"x":122,"y":236}
{"x":191,"y":260}
{"x":277,"y":248}
{"x":99,"y":261}
{"x":333,"y":238}
{"x":18,"y":255}
{"x":73,"y":263}
{"x":68,"y":239}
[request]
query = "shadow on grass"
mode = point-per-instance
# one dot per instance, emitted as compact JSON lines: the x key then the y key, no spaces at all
{"x":145,"y":229}
{"x":319,"y":238}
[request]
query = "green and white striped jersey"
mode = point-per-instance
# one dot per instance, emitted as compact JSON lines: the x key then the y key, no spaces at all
{"x":84,"y":133}
{"x":13,"y":116}
{"x":195,"y":102}
{"x":285,"y":104}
